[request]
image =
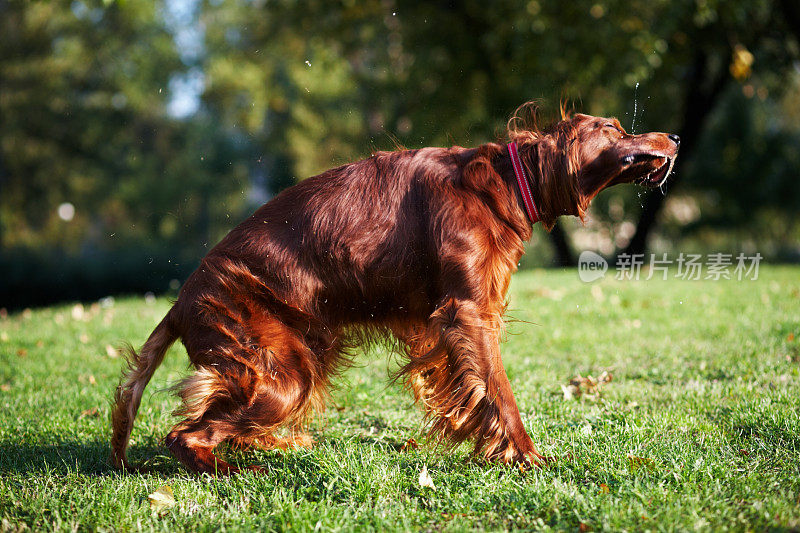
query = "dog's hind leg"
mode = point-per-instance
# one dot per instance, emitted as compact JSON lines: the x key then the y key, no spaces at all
{"x":241,"y":404}
{"x":210,"y":398}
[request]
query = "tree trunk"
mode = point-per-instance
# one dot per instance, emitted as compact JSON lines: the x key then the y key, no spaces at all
{"x":563,"y":253}
{"x":701,"y":95}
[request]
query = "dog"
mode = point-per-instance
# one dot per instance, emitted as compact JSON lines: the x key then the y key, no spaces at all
{"x":418,"y":245}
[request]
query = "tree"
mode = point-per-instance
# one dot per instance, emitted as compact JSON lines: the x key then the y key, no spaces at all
{"x":83,"y":120}
{"x":329,"y":74}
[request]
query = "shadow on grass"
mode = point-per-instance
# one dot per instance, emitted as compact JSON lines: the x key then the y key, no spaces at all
{"x":755,"y":431}
{"x":90,"y":457}
{"x":76,"y":456}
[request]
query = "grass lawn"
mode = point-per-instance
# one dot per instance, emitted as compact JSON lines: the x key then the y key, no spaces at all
{"x":699,"y":429}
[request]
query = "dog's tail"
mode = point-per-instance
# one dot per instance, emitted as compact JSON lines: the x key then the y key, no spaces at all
{"x":140,"y":369}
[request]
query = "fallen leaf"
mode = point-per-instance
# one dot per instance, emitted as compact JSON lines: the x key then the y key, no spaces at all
{"x":410,"y":444}
{"x":604,"y":488}
{"x":77,"y":312}
{"x":111,"y":351}
{"x":790,"y":337}
{"x":93,"y":412}
{"x":161,"y":499}
{"x":568,"y":391}
{"x":92,"y":381}
{"x":22,"y":352}
{"x":584,"y":527}
{"x":588,"y":386}
{"x":425,"y":479}
{"x":5,"y":387}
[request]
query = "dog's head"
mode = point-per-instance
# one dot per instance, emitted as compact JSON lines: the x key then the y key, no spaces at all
{"x":607,"y":155}
{"x":576,"y":158}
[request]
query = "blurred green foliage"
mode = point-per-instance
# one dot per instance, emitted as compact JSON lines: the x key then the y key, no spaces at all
{"x":88,"y":93}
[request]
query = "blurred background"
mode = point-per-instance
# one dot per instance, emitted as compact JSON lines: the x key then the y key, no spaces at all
{"x":134,"y":134}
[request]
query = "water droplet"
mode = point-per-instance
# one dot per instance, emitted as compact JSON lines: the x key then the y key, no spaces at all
{"x":308,"y":62}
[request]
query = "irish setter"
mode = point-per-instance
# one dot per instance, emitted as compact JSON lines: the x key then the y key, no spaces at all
{"x":416,"y":244}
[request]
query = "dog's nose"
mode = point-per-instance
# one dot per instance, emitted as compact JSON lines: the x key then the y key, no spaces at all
{"x":674,"y":138}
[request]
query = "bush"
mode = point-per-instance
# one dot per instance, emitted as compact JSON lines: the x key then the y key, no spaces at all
{"x":34,"y":278}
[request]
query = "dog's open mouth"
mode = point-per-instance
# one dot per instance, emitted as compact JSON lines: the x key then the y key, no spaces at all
{"x":652,"y":170}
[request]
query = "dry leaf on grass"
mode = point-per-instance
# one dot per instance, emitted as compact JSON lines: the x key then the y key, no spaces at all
{"x":410,"y":444}
{"x":111,"y":351}
{"x":587,"y":387}
{"x":162,"y":499}
{"x":425,"y":478}
{"x":94,"y":412}
{"x":77,"y":312}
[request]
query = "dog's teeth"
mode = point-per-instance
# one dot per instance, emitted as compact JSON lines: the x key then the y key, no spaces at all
{"x":628,"y":159}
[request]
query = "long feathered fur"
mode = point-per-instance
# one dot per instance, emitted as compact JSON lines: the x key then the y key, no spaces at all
{"x":419,"y":244}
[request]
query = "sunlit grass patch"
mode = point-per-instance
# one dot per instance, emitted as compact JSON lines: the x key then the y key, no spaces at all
{"x":697,"y":425}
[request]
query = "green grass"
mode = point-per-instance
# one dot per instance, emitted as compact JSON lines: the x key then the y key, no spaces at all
{"x":698,"y":430}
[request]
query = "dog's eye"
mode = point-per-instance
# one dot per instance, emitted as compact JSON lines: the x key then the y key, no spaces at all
{"x":614,"y":126}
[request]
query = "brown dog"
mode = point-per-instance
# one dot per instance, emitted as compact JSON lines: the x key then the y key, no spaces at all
{"x":418,"y":244}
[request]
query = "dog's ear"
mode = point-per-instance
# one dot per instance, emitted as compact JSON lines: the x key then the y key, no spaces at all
{"x":557,"y":167}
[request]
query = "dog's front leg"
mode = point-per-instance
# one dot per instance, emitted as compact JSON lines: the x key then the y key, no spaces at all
{"x":466,"y":389}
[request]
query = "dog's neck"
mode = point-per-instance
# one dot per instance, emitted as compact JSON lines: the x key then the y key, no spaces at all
{"x":554,"y":190}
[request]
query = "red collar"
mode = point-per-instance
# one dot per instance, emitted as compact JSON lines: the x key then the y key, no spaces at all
{"x":524,"y":186}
